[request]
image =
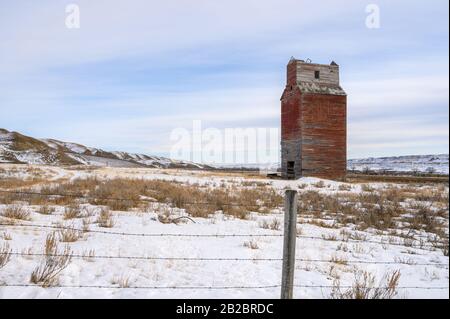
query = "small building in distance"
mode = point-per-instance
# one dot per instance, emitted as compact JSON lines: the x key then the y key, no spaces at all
{"x":313,"y":122}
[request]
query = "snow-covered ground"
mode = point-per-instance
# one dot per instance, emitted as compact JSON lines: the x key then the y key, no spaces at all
{"x":437,"y":164}
{"x":431,"y":164}
{"x":315,"y":242}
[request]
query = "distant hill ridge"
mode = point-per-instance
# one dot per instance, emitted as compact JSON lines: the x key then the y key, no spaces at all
{"x":437,"y":163}
{"x":21,"y":149}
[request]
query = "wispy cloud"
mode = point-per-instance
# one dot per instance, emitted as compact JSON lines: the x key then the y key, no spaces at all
{"x":136,"y":70}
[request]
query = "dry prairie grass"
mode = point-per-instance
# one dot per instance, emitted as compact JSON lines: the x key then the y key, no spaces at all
{"x":275,"y":224}
{"x":364,"y":287}
{"x":105,"y":218}
{"x":379,"y":210}
{"x":55,"y":261}
{"x":5,"y":255}
{"x":89,"y":255}
{"x":125,"y":194}
{"x":252,"y":244}
{"x":345,"y":187}
{"x":417,"y":207}
{"x":384,"y":210}
{"x":15,"y":182}
{"x":46,"y":210}
{"x":367,"y":188}
{"x":6,"y":236}
{"x":16,"y":211}
{"x":319,"y":184}
{"x":322,"y":223}
{"x":69,"y":235}
{"x":72,"y":211}
{"x":339,"y":260}
{"x":121,"y":281}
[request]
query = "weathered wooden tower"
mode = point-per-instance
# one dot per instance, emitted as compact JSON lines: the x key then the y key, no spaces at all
{"x":313,"y":121}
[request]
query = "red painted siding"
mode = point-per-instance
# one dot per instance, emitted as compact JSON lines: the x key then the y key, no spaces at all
{"x":324,"y":135}
{"x":315,"y":122}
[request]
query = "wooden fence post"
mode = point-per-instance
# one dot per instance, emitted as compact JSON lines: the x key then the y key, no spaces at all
{"x":290,"y":237}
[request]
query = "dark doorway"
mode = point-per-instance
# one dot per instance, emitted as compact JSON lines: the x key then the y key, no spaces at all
{"x":290,"y":170}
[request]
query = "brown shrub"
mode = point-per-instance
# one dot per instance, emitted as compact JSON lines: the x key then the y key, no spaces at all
{"x":345,"y":187}
{"x":51,"y":244}
{"x":46,"y":210}
{"x":69,"y":235}
{"x":105,"y":218}
{"x":5,"y":255}
{"x":252,"y":244}
{"x":15,"y":182}
{"x":275,"y":224}
{"x":46,"y":274}
{"x":125,"y":194}
{"x":367,"y":188}
{"x":364,"y":287}
{"x":72,"y":211}
{"x":16,"y":211}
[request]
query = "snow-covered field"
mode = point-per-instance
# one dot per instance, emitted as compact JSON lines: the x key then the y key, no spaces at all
{"x":329,"y":252}
{"x":411,"y":164}
{"x":436,"y":164}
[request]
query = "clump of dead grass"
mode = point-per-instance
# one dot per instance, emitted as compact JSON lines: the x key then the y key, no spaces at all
{"x":345,"y":187}
{"x":275,"y":224}
{"x":367,"y":188}
{"x":364,"y":287}
{"x":72,"y":212}
{"x":252,"y":244}
{"x":55,"y":261}
{"x":105,"y":218}
{"x":319,"y":184}
{"x":6,"y":236}
{"x":123,"y":194}
{"x":69,"y":235}
{"x":121,"y":281}
{"x":16,"y":211}
{"x":5,"y":255}
{"x":46,"y":210}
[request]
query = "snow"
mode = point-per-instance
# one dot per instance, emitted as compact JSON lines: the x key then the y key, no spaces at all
{"x":207,"y":273}
{"x":76,"y":148}
{"x":437,"y":164}
{"x":101,"y":161}
{"x":421,"y":163}
{"x":80,"y":153}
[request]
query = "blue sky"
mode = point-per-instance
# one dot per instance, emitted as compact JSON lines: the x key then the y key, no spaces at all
{"x":135,"y":70}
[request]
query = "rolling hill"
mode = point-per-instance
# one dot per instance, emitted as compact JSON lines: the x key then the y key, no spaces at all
{"x":21,"y":149}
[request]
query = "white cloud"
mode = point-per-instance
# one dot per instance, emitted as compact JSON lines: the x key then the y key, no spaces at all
{"x":35,"y":35}
{"x":396,"y":94}
{"x":390,"y":95}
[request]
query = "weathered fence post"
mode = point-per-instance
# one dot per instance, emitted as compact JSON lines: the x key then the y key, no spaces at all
{"x":290,"y":237}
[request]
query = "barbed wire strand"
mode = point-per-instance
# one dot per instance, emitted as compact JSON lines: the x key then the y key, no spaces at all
{"x":200,"y":259}
{"x":371,"y":288}
{"x":216,"y":287}
{"x":216,"y":235}
{"x":140,"y":234}
{"x":147,"y":287}
{"x":87,"y":256}
{"x":203,"y":203}
{"x":124,"y":199}
{"x":412,"y":245}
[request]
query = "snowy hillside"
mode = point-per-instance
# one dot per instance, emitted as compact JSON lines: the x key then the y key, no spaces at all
{"x":436,"y":164}
{"x":18,"y":148}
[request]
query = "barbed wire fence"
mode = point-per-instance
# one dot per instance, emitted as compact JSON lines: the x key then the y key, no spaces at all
{"x":292,"y":285}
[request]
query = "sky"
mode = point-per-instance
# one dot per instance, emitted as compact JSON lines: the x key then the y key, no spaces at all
{"x":135,"y":71}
